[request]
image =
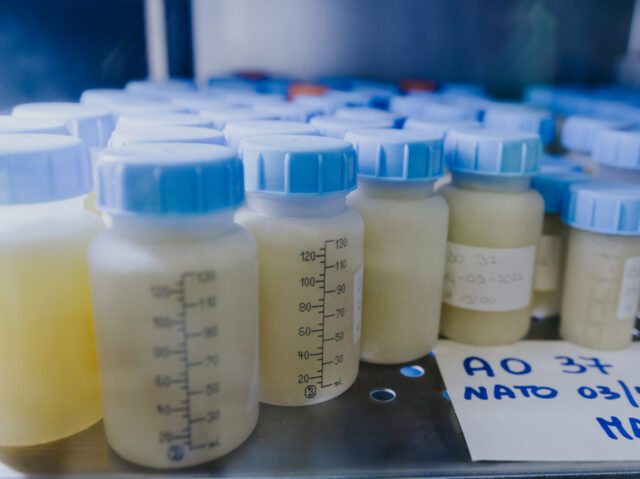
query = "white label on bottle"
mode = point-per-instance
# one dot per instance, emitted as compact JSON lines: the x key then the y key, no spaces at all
{"x":629,"y":289}
{"x":547,"y":275}
{"x":357,"y":306}
{"x":488,"y":279}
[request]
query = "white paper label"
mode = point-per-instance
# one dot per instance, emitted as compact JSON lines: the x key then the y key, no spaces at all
{"x":544,"y":400}
{"x":488,"y":279}
{"x":547,"y":274}
{"x":629,"y":289}
{"x":357,"y":306}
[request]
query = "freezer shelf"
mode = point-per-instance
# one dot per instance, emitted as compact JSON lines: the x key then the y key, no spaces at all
{"x":415,"y":435}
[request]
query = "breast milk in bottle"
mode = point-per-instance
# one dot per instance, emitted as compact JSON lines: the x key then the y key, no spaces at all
{"x":405,"y":242}
{"x":310,"y":247}
{"x":175,"y":296}
{"x":602,"y":275}
{"x":48,"y":366}
{"x":547,"y":281}
{"x":494,"y":226}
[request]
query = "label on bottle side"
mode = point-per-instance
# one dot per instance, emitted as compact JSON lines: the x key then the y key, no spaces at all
{"x":488,"y":279}
{"x":357,"y":305}
{"x":548,"y":260}
{"x":629,"y":289}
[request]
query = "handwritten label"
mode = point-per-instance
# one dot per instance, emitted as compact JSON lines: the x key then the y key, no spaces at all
{"x":629,"y":289}
{"x":547,"y":274}
{"x":357,"y":305}
{"x":488,"y":279}
{"x":544,"y":401}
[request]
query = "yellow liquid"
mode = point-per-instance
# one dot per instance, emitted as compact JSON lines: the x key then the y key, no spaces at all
{"x":490,"y":219}
{"x":48,"y":365}
{"x":291,"y":335}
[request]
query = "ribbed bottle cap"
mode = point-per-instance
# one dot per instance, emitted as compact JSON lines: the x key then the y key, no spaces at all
{"x":119,"y":102}
{"x":289,"y":111}
{"x":297,"y":165}
{"x":368,"y":113}
{"x":92,"y":125}
{"x":437,"y":111}
{"x":222,"y":116}
{"x":521,"y":118}
{"x":412,"y":105}
{"x":132,"y":120}
{"x":337,"y":127}
{"x":14,"y":124}
{"x":607,"y":208}
{"x":235,"y":131}
{"x":496,"y":153}
{"x":579,"y":132}
{"x":326,"y":104}
{"x":618,"y":148}
{"x":440,"y":128}
{"x":37,"y":168}
{"x":397,"y":155}
{"x":166,"y":134}
{"x":160,"y":179}
{"x":553,"y":186}
{"x":197,"y":101}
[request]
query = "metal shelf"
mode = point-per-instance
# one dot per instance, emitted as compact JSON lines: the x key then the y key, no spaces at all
{"x":415,"y":435}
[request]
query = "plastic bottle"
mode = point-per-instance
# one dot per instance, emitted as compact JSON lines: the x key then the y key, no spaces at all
{"x":617,"y":154}
{"x":165,"y":134}
{"x":48,"y":365}
{"x":547,"y":282}
{"x":175,"y":295}
{"x":119,"y":102}
{"x":494,"y":226}
{"x":133,"y":120}
{"x":14,"y":124}
{"x":439,"y":127}
{"x":337,"y":127}
{"x":578,"y":136}
{"x":602,"y":275}
{"x":405,"y":242}
{"x":235,"y":131}
{"x":91,"y":125}
{"x":327,"y":104}
{"x":310,"y":247}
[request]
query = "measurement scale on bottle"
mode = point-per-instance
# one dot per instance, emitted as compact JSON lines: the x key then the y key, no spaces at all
{"x":326,"y":314}
{"x":187,"y":386}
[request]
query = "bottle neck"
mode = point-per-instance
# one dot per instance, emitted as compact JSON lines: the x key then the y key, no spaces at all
{"x":395,"y":189}
{"x":194,"y":226}
{"x":297,"y":207}
{"x":491,"y":183}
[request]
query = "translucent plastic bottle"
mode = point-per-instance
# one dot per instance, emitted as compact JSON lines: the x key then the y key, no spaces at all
{"x":310,"y":246}
{"x":405,"y":242}
{"x":579,"y":134}
{"x":337,"y":127}
{"x":235,"y":131}
{"x":90,"y":124}
{"x":132,"y":120}
{"x":48,"y":364}
{"x":495,"y":224}
{"x":175,"y":296}
{"x":14,"y":124}
{"x":602,"y":275}
{"x":120,"y":102}
{"x":165,"y":134}
{"x":617,"y":154}
{"x":547,"y":282}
